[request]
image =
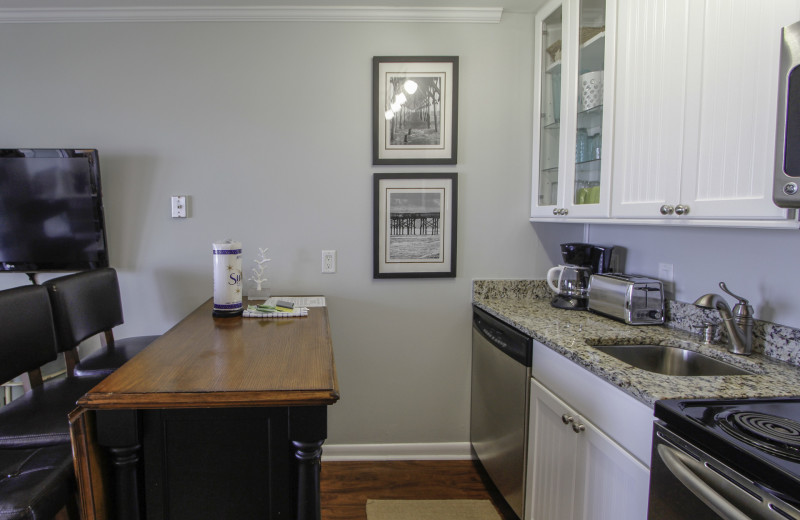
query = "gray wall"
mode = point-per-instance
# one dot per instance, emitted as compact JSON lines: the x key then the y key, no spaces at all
{"x":756,"y":264}
{"x":267,"y":128}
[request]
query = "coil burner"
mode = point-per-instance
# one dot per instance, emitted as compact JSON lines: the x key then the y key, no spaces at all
{"x":774,"y":435}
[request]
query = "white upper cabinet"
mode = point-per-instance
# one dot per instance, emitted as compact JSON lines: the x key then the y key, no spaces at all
{"x":651,"y":73}
{"x":574,"y":52}
{"x":696,"y":105}
{"x":548,"y":176}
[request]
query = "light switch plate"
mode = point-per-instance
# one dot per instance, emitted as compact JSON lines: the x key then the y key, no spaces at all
{"x":179,"y":206}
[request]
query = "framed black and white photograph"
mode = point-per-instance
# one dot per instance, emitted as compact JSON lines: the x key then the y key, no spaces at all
{"x":414,"y":225}
{"x":415,"y":109}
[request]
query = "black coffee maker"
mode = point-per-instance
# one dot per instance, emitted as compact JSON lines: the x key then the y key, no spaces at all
{"x":595,"y":259}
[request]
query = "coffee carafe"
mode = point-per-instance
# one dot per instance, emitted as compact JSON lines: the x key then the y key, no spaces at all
{"x":570,"y":281}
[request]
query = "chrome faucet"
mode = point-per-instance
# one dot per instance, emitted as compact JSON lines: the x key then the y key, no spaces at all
{"x":738,"y":324}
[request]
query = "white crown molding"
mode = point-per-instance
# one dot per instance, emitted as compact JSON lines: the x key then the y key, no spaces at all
{"x":252,"y":14}
{"x":410,"y":451}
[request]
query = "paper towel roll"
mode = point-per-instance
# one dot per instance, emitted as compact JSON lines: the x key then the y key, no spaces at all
{"x":227,"y":278}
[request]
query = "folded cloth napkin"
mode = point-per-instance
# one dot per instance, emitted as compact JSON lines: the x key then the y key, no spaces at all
{"x":252,"y":312}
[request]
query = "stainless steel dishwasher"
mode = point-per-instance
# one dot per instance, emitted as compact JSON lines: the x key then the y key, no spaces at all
{"x":501,"y":375}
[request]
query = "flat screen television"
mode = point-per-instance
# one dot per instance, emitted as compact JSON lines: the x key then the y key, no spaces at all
{"x":51,"y":210}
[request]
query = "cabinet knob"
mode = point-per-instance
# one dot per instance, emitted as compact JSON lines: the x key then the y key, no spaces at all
{"x":555,"y":211}
{"x":666,"y":210}
{"x":681,"y":209}
{"x":566,"y":418}
{"x":563,"y":211}
{"x":578,"y":427}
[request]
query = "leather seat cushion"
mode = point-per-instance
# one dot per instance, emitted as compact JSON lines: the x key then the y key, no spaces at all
{"x":39,"y":417}
{"x":104,"y":361}
{"x":35,"y":483}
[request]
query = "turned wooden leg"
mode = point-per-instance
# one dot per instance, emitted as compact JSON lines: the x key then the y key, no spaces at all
{"x":308,"y":459}
{"x":126,"y":482}
{"x":119,"y":432}
{"x":308,"y":428}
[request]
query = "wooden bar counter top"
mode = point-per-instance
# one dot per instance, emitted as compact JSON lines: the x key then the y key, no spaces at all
{"x":217,"y":418}
{"x":224,"y":362}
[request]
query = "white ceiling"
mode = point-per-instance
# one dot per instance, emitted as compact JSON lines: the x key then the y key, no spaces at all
{"x":507,"y":5}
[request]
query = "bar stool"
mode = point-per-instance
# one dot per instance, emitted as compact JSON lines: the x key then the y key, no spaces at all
{"x":27,"y":341}
{"x":85,"y":304}
{"x":36,"y":469}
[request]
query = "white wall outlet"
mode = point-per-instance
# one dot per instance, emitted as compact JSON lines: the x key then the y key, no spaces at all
{"x":666,"y":276}
{"x":328,"y":261}
{"x":179,"y":206}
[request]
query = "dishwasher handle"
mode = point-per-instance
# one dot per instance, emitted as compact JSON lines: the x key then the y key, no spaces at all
{"x":505,"y":338}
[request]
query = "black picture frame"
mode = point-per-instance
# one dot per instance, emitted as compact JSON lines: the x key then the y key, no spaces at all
{"x":415,"y":225}
{"x":416,"y":125}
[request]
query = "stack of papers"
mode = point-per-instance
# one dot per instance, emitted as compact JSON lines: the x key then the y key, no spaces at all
{"x":252,"y":312}
{"x":299,"y":301}
{"x":268,"y":310}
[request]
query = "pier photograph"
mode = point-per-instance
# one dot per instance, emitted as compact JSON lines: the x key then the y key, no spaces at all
{"x":414,"y":225}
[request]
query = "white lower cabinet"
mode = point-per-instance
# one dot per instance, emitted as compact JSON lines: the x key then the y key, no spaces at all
{"x":575,"y":469}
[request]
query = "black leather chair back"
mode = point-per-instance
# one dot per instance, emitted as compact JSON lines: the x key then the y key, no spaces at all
{"x":27,"y":337}
{"x":84,"y":304}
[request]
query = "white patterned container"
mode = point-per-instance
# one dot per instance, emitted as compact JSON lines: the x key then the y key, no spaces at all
{"x":227,"y":278}
{"x":591,"y":85}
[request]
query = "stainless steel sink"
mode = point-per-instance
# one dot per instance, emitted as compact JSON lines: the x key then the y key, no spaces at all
{"x":671,"y":361}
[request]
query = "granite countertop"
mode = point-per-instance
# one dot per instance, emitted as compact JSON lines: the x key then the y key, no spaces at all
{"x":571,"y":333}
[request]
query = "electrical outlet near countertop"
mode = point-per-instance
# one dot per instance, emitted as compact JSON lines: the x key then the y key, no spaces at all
{"x":328,"y":261}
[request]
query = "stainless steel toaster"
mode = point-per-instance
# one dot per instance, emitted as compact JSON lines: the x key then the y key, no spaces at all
{"x":634,"y":299}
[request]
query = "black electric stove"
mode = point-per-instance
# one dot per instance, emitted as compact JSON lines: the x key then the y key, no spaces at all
{"x":756,"y":439}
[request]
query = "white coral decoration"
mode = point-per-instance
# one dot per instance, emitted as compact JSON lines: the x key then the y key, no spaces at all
{"x":258,"y":271}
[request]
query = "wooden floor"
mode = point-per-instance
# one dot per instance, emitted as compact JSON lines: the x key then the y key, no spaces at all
{"x":346,"y":486}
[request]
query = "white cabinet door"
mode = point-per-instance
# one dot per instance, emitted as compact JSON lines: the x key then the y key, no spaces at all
{"x":573,"y":108}
{"x":653,"y":53}
{"x":590,"y":124}
{"x":728,"y":173}
{"x":612,"y":484}
{"x":696,"y":107}
{"x":552,"y":449}
{"x":577,"y":472}
{"x":549,"y":165}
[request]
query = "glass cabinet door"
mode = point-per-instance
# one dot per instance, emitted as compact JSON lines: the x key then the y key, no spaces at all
{"x":550,"y":117}
{"x":589,"y":124}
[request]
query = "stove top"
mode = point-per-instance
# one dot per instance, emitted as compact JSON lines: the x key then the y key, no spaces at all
{"x":775,"y":435}
{"x":760,"y":437}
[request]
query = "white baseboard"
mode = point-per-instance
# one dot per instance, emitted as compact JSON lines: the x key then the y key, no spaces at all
{"x":409,"y":451}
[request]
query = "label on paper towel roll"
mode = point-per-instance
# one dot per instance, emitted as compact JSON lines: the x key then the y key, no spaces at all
{"x":227,"y":277}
